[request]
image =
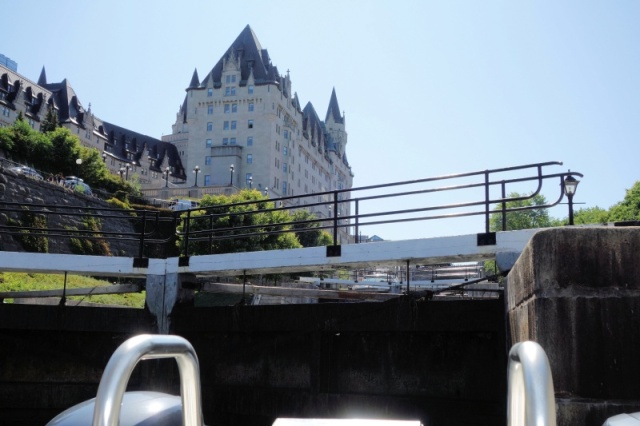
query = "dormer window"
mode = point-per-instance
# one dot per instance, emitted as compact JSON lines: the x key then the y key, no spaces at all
{"x":210,"y":92}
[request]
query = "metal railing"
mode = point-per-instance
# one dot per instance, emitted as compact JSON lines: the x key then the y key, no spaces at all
{"x":209,"y":225}
{"x":530,"y":398}
{"x":195,"y":228}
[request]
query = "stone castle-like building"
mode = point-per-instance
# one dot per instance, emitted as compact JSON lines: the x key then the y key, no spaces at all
{"x":241,"y":126}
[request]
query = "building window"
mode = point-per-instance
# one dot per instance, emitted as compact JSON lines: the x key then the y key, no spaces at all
{"x":6,"y":112}
{"x":250,"y":141}
{"x":210,"y":92}
{"x":250,"y":89}
{"x":210,"y":109}
{"x":234,"y":108}
{"x":207,"y":160}
{"x":230,"y":91}
{"x":225,"y":141}
{"x":233,"y":141}
{"x":231,"y":78}
{"x":209,"y":126}
{"x":207,"y":180}
{"x":249,"y":158}
{"x":284,"y":167}
{"x":233,"y":125}
{"x":209,"y":143}
{"x":250,"y":106}
{"x":250,"y":124}
{"x":225,"y":125}
{"x":227,"y":108}
{"x":285,"y":151}
{"x":284,"y":188}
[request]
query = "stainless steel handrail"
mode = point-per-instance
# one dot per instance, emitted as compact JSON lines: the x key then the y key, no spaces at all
{"x":530,"y":400}
{"x":116,"y":375}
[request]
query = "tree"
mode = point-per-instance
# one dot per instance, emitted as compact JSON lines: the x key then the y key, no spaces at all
{"x":629,"y":207}
{"x":232,"y":218}
{"x":50,"y":122}
{"x":522,"y":219}
{"x":307,"y":233}
{"x":591,"y":215}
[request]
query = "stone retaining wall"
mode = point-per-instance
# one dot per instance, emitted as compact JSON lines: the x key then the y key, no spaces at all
{"x":576,"y":291}
{"x":21,"y":189}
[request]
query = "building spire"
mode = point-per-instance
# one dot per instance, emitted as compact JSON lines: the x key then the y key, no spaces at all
{"x":42,"y":80}
{"x":195,"y":81}
{"x":334,"y":109}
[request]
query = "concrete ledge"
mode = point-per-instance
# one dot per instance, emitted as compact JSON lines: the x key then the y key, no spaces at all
{"x":576,"y":291}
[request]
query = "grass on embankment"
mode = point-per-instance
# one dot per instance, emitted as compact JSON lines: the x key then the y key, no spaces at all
{"x":14,"y":281}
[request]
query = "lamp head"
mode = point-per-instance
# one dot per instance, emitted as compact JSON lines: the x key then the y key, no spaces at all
{"x":570,"y":185}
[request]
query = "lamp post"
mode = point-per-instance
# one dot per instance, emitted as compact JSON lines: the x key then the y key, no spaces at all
{"x":78,"y":163}
{"x":570,"y":185}
{"x":121,"y":172}
{"x":266,"y":191}
{"x":166,"y":176}
{"x":104,"y":156}
{"x":196,"y":169}
{"x":127,"y":168}
{"x":250,"y":182}
{"x":231,"y":170}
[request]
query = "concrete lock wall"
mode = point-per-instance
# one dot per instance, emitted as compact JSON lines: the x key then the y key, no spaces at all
{"x":576,"y":291}
{"x":441,"y":362}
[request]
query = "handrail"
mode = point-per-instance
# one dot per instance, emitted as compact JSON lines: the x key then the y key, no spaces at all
{"x":147,"y":223}
{"x":116,"y":375}
{"x":530,"y":399}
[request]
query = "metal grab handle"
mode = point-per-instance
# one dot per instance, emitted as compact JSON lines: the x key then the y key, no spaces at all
{"x":146,"y":346}
{"x":530,"y":400}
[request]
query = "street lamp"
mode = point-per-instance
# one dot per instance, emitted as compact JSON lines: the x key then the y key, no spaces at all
{"x":250,"y":182}
{"x":231,"y":170}
{"x":104,"y":156}
{"x":78,"y":163}
{"x":166,"y":176}
{"x":121,"y":172}
{"x":125,"y":170}
{"x":196,"y":169}
{"x":266,"y":191}
{"x":570,"y":185}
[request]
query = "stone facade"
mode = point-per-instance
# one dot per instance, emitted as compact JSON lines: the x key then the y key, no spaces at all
{"x":243,"y":126}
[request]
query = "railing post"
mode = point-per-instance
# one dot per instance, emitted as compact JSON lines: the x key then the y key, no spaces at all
{"x":335,"y":217}
{"x":504,"y":208}
{"x":210,"y":233}
{"x":144,"y":225}
{"x":186,"y":233}
{"x":357,"y":237}
{"x":486,"y":201}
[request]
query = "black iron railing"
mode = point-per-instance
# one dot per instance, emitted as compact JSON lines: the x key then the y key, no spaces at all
{"x":200,"y":230}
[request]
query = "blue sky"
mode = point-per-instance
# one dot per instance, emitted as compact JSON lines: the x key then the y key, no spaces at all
{"x":429,"y":88}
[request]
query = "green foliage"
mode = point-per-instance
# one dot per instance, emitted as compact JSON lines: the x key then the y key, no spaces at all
{"x":90,"y":246}
{"x":6,"y":139}
{"x":523,"y":219}
{"x":115,"y":202}
{"x":227,"y":214}
{"x":309,"y":237}
{"x":591,"y":215}
{"x":31,"y":242}
{"x":14,"y":281}
{"x":50,"y":122}
{"x":629,"y":207}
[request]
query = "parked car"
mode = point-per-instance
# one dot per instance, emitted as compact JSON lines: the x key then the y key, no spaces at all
{"x":27,"y":171}
{"x":77,"y":184}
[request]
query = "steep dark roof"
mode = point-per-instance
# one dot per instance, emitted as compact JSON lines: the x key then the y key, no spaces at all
{"x":122,"y":142}
{"x":334,"y":109}
{"x":64,"y":98}
{"x":253,"y":58}
{"x":195,"y":82}
{"x":42,"y":80}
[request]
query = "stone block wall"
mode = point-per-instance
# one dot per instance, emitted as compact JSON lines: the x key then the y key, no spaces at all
{"x":576,"y":291}
{"x":26,"y":191}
